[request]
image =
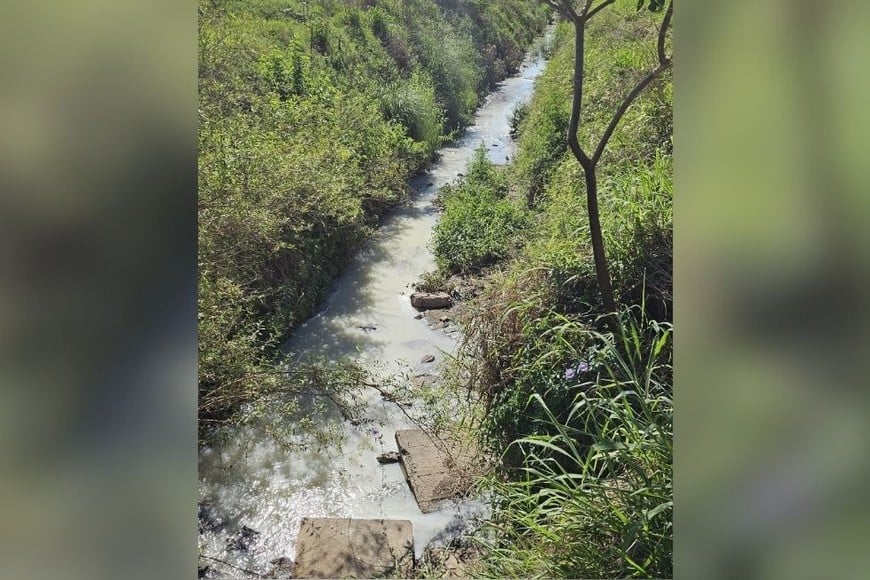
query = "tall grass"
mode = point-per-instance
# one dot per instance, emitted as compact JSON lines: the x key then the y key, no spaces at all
{"x":593,"y":498}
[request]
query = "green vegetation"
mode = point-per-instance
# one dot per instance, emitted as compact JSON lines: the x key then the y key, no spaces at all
{"x":594,"y":495}
{"x":577,"y":403}
{"x":312,"y":117}
{"x":479,"y":223}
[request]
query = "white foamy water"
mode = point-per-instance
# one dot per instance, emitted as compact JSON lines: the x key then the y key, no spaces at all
{"x":250,"y":481}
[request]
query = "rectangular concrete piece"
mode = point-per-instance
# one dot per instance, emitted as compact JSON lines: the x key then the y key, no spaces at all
{"x":437,"y":469}
{"x":348,"y":548}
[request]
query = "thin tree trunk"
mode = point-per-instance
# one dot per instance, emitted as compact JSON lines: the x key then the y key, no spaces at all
{"x":602,"y":273}
{"x":601,"y":270}
{"x":577,"y":94}
{"x":589,"y":164}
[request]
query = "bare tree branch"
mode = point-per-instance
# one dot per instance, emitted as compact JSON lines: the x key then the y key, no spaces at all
{"x":225,"y":563}
{"x":637,"y":90}
{"x":555,"y":6}
{"x":601,"y":270}
{"x":577,"y":92}
{"x":666,"y":22}
{"x":664,"y":63}
{"x":598,"y":9}
{"x":568,"y":10}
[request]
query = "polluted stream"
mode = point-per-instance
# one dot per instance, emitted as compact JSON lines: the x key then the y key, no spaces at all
{"x":253,"y":493}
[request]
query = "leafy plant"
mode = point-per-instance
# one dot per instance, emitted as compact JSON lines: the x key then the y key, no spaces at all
{"x":479,"y":225}
{"x":519,"y":113}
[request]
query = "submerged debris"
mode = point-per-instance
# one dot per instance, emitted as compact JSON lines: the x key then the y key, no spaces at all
{"x":389,"y":457}
{"x":243,"y":540}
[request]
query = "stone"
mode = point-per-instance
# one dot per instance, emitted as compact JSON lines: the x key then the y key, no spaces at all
{"x":243,"y":540}
{"x":423,"y":380}
{"x":428,"y":358}
{"x":209,"y":520}
{"x":419,"y":316}
{"x":437,"y":469}
{"x":281,"y":568}
{"x":433,"y":317}
{"x":389,"y":457}
{"x":431,"y":300}
{"x":354,"y":548}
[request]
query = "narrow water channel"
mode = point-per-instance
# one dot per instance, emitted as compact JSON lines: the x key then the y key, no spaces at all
{"x":250,"y":481}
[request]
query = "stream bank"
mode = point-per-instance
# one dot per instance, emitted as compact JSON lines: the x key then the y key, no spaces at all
{"x":255,"y":493}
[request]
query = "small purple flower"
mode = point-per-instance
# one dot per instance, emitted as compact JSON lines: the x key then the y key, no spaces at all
{"x":572,"y":372}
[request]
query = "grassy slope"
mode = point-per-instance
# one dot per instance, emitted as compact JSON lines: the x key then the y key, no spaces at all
{"x":312,"y":117}
{"x":585,"y":423}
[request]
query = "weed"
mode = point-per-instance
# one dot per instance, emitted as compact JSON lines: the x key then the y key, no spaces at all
{"x":592,"y":497}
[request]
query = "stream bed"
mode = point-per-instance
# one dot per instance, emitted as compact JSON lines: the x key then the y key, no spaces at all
{"x":253,"y":493}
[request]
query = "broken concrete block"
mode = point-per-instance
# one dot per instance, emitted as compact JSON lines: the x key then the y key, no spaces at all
{"x":351,"y":548}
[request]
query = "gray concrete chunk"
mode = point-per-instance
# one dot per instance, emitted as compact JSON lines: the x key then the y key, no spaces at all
{"x":349,"y":548}
{"x":437,"y":469}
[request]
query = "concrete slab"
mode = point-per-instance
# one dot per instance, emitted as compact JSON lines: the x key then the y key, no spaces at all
{"x":349,"y":548}
{"x":437,"y":469}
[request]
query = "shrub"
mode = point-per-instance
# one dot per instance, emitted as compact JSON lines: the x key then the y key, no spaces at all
{"x":519,"y":113}
{"x":412,"y":103}
{"x":480,"y":225}
{"x":449,"y":56}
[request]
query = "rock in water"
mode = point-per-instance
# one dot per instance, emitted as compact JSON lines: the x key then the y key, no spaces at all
{"x":428,"y":358}
{"x":431,"y":300}
{"x":281,"y":568}
{"x":243,"y":540}
{"x":389,"y":457}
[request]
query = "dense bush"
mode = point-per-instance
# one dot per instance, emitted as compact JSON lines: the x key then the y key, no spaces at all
{"x":479,"y":225}
{"x":413,"y":103}
{"x":312,"y":117}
